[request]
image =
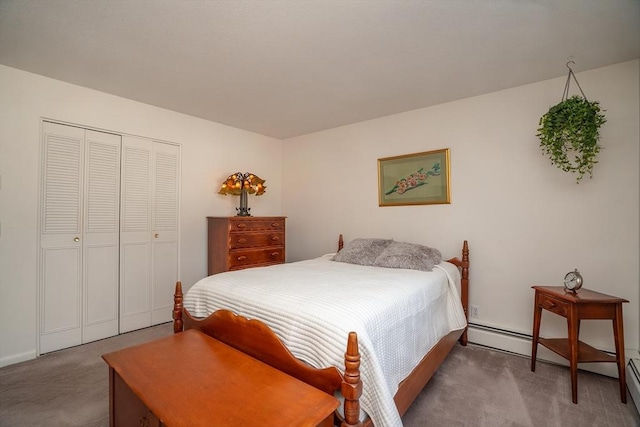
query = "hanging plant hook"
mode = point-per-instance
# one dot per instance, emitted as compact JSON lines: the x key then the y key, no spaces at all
{"x":565,"y":94}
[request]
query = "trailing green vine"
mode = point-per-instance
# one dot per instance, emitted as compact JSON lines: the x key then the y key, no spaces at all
{"x":569,"y":133}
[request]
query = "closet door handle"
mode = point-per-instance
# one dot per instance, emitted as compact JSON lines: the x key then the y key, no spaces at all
{"x":156,"y":235}
{"x":76,"y":239}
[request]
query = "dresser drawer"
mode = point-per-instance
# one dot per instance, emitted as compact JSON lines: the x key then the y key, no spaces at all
{"x":252,"y":257}
{"x":552,"y":304}
{"x":254,"y":225}
{"x":256,"y":239}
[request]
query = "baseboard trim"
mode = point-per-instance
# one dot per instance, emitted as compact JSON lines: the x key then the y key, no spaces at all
{"x":520,"y":343}
{"x":17,"y":358}
{"x":633,"y":381}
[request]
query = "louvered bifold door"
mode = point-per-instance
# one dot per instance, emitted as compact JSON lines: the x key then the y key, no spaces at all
{"x":148,"y":232}
{"x":79,"y":235}
{"x":166,"y":172}
{"x":135,"y":234}
{"x":101,"y":239}
{"x":60,"y":274}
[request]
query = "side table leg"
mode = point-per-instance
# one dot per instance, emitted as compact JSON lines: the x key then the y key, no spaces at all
{"x":537,"y":314}
{"x":572,"y":324}
{"x":618,"y":334}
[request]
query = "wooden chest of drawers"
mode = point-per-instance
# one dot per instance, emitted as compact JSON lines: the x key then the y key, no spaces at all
{"x":243,"y":242}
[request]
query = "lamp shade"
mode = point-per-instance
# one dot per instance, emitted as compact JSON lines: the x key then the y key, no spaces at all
{"x":241,"y":184}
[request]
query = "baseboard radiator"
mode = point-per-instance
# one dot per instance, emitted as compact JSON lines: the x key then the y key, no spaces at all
{"x":633,"y":380}
{"x":520,"y":343}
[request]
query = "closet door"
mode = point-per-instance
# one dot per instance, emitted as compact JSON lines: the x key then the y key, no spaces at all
{"x":101,"y":238}
{"x":135,"y":234}
{"x":78,"y":236}
{"x":166,"y":172}
{"x":60,"y":237}
{"x":149,"y":232}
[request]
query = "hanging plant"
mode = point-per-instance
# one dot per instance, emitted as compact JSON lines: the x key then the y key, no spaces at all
{"x":569,"y":133}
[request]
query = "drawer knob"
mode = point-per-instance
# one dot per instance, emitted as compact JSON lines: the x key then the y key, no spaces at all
{"x":275,"y":238}
{"x":549,"y":304}
{"x":242,"y":257}
{"x":241,"y":240}
{"x":275,"y":224}
{"x":275,"y":254}
{"x":242,"y":225}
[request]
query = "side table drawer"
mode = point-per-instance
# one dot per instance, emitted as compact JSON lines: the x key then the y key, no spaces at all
{"x":553,"y":305}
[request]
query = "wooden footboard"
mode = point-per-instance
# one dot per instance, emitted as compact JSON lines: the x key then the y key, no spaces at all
{"x":256,"y":339}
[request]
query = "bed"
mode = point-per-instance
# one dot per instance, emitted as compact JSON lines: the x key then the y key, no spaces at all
{"x":395,"y":332}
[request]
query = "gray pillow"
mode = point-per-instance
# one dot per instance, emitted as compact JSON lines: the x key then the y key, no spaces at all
{"x":362,"y":251}
{"x":408,"y":255}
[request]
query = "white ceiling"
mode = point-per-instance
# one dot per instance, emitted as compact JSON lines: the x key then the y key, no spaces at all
{"x":287,"y":68}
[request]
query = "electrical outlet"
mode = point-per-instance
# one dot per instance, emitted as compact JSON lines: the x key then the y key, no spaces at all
{"x":475,"y":311}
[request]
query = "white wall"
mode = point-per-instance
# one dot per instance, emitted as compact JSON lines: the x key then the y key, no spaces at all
{"x":210,"y":152}
{"x":526,"y":221}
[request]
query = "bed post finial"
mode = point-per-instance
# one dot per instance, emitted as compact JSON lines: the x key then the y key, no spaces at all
{"x":340,"y":243}
{"x":351,"y":384}
{"x":177,"y":308}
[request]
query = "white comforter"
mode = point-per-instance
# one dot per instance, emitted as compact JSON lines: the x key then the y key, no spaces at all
{"x":312,"y":306}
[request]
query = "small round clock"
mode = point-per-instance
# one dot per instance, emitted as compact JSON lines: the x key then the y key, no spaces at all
{"x":573,"y":281}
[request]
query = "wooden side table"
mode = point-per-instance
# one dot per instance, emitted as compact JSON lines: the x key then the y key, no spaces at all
{"x":584,"y":304}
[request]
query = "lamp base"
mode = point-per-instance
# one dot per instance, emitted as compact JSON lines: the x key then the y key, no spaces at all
{"x":243,"y":210}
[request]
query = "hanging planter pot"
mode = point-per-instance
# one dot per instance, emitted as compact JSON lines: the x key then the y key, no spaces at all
{"x":570,"y":131}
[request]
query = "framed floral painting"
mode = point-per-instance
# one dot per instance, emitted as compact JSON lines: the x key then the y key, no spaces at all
{"x":414,"y":179}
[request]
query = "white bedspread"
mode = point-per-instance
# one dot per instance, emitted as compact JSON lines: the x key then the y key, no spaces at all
{"x":312,"y":306}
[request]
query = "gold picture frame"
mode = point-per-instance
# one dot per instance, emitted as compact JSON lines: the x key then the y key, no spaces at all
{"x":415,"y":179}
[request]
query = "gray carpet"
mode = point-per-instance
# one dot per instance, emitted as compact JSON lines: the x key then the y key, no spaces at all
{"x":480,"y":387}
{"x":475,"y":387}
